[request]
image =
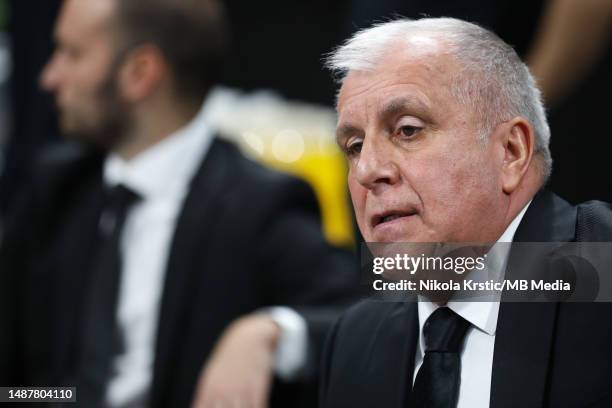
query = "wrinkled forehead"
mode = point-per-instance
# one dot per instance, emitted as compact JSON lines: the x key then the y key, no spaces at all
{"x":427,"y":71}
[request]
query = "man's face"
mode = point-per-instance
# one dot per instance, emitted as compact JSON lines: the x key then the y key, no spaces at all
{"x":418,"y":171}
{"x":82,"y":73}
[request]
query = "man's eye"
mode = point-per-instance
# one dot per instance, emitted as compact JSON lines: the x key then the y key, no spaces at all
{"x":353,"y":148}
{"x":72,"y":53}
{"x":408,"y":131}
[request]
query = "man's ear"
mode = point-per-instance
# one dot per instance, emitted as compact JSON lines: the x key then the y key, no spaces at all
{"x":518,"y":141}
{"x":141,"y":73}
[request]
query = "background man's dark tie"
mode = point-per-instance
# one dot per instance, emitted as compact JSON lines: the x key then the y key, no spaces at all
{"x":100,"y":338}
{"x":437,"y":382}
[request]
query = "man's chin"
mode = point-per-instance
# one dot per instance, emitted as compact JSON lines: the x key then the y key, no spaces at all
{"x":93,"y":137}
{"x":396,"y":236}
{"x":73,"y":130}
{"x":78,"y":135}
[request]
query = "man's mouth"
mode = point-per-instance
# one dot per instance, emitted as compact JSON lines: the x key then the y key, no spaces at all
{"x":390,"y":216}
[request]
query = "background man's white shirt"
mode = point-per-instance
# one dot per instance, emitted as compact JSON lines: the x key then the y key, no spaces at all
{"x":161,"y":176}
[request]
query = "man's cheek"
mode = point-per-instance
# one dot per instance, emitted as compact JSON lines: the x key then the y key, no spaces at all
{"x":358,"y":198}
{"x":359,"y":205}
{"x":355,"y":189}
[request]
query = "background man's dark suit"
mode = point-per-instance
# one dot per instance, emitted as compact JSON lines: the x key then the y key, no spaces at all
{"x":246,"y":238}
{"x":546,"y":354}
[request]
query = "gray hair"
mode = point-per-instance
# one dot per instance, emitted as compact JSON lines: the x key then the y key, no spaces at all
{"x":493,"y":80}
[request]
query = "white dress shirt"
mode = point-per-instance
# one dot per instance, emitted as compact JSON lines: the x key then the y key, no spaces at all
{"x":161,"y":176}
{"x":478,"y":347}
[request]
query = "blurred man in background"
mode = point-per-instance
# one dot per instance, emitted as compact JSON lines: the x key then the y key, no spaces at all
{"x":126,"y":262}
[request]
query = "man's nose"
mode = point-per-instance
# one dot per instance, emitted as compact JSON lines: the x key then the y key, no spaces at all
{"x":49,"y":76}
{"x":376,"y":166}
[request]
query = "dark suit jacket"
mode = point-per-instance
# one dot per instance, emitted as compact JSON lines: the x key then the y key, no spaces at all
{"x":546,"y":354}
{"x":247,"y":237}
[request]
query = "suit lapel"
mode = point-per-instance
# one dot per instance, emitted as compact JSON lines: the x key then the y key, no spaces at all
{"x":522,"y":354}
{"x":70,"y":258}
{"x":190,"y":238}
{"x":407,"y":360}
{"x":400,"y":331}
{"x":525,"y":331}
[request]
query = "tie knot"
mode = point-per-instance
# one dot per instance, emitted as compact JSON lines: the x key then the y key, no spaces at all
{"x":120,"y":197}
{"x":117,"y":201}
{"x":444,"y":331}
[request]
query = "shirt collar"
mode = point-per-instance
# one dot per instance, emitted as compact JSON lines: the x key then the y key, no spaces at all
{"x":482,"y":315}
{"x":167,"y":167}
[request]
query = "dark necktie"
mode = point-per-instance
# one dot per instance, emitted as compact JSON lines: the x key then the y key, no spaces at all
{"x":438,"y":379}
{"x":99,"y":336}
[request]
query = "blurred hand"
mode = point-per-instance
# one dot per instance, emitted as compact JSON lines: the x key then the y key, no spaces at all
{"x":239,"y":372}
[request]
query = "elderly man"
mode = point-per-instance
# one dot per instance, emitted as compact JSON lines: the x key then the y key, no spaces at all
{"x":447,"y":141}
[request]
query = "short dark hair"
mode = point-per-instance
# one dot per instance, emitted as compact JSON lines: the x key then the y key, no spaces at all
{"x":191,"y":34}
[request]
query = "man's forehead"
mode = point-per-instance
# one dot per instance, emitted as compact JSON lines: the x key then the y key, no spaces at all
{"x":425,"y":74}
{"x":84,"y":17}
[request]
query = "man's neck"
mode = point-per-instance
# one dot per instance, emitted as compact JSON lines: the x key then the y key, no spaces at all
{"x":151,"y":127}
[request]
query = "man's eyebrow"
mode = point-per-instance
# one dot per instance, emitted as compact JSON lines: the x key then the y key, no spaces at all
{"x":405,"y":103}
{"x":345,"y":130}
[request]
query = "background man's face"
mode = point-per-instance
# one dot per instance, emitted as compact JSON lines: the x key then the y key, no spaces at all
{"x":417,"y":169}
{"x":82,"y":73}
